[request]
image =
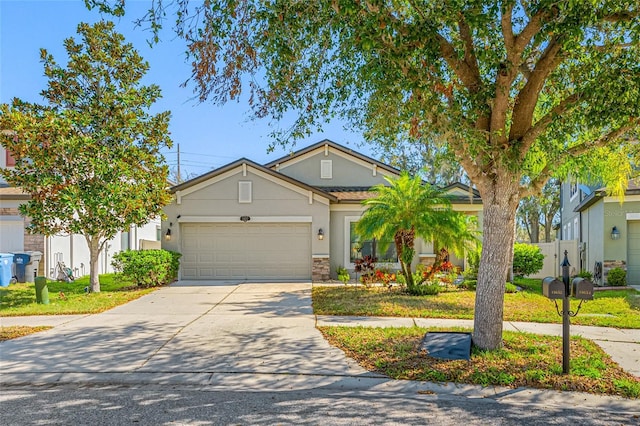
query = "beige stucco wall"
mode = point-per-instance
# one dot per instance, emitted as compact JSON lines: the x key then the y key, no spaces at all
{"x":272,"y":200}
{"x":346,"y":171}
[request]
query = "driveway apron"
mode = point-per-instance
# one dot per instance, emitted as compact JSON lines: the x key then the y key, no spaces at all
{"x":189,"y":327}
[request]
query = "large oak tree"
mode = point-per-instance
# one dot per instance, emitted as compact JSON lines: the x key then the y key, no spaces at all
{"x":517,"y":90}
{"x":90,"y":157}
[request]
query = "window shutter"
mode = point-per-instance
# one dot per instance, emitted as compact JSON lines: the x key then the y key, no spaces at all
{"x":244,"y":192}
{"x":326,"y":169}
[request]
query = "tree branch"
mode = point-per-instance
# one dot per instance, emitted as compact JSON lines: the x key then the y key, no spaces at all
{"x":527,"y":99}
{"x":541,"y":125}
{"x":620,"y":16}
{"x":535,"y":186}
{"x":604,"y":140}
{"x":507,"y":30}
{"x":469,"y":54}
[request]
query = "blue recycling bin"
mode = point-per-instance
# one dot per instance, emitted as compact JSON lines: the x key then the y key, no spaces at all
{"x":21,"y":260}
{"x":6,"y":263}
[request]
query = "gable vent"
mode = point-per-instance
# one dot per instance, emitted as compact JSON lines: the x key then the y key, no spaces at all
{"x":326,"y":169}
{"x":244,"y":191}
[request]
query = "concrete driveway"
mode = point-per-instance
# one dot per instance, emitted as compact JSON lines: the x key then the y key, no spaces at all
{"x":186,"y":331}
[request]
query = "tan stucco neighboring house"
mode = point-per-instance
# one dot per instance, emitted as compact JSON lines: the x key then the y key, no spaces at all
{"x":606,"y":228}
{"x":291,"y":219}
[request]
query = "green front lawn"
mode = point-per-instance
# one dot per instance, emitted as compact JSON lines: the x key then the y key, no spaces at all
{"x":68,"y":298}
{"x":619,"y":308}
{"x":525,"y":360}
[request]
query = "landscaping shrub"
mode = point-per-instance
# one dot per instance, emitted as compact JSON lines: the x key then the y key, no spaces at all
{"x":148,"y":268}
{"x":510,"y":288}
{"x":617,"y":277}
{"x":343,"y":274}
{"x":470,"y":284}
{"x":424,"y":289}
{"x":586,"y":275}
{"x":473,"y":263}
{"x":527,"y":259}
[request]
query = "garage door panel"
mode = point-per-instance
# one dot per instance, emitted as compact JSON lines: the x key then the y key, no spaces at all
{"x":633,"y":252}
{"x":246,"y":251}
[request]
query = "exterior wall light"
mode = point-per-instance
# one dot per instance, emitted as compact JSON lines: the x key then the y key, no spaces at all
{"x":320,"y":234}
{"x":167,"y":236}
{"x":615,"y":234}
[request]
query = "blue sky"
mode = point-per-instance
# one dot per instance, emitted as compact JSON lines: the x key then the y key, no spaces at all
{"x":209,"y":135}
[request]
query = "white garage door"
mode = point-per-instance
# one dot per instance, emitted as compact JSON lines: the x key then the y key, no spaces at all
{"x":633,"y":252}
{"x":254,"y":251}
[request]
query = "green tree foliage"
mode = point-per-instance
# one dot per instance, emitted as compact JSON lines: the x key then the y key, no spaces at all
{"x":527,"y":259}
{"x":407,"y":208}
{"x":90,"y":157}
{"x":538,"y":211}
{"x":517,"y":91}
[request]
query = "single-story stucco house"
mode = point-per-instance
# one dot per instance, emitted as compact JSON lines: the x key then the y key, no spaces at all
{"x":290,"y":219}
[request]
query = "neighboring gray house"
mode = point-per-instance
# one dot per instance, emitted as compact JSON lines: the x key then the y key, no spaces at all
{"x":291,"y":219}
{"x":607,"y":230}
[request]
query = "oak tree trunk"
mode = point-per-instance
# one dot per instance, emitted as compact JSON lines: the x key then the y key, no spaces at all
{"x":535,"y":230}
{"x":500,"y":201}
{"x":94,"y":254}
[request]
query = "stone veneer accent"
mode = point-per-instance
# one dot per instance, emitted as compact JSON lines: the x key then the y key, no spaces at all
{"x":320,"y":269}
{"x":608,"y":265}
{"x":427,"y":260}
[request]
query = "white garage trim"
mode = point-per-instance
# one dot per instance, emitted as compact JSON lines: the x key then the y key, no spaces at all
{"x":253,"y":219}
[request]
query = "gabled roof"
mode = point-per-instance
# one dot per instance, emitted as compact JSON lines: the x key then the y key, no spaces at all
{"x":470,"y":196}
{"x":239,"y":163}
{"x":600,"y":193}
{"x":344,"y":149}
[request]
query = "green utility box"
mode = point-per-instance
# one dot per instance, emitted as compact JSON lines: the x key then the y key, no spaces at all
{"x":42,"y":292}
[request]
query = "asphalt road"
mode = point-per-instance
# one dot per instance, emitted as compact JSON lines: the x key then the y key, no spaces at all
{"x":180,"y":405}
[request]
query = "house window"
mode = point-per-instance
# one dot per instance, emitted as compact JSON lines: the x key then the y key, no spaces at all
{"x":124,"y":241}
{"x":576,"y":230}
{"x":358,"y":248}
{"x":573,"y":190}
{"x":158,"y":233}
{"x":244,"y":192}
{"x":326,"y":169}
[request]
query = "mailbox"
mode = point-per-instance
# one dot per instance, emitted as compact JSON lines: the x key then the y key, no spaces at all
{"x":582,"y":288}
{"x":553,"y":288}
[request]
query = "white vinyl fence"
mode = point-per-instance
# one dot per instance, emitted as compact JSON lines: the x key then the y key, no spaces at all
{"x":554,"y":255}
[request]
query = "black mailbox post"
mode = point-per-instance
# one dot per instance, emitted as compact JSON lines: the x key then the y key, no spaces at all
{"x":582,"y":289}
{"x":555,"y":289}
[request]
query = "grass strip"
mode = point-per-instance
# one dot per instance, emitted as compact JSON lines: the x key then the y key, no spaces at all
{"x":13,"y":332}
{"x":526,"y":360}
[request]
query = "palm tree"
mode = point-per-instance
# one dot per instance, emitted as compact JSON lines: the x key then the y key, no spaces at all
{"x":408,"y":208}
